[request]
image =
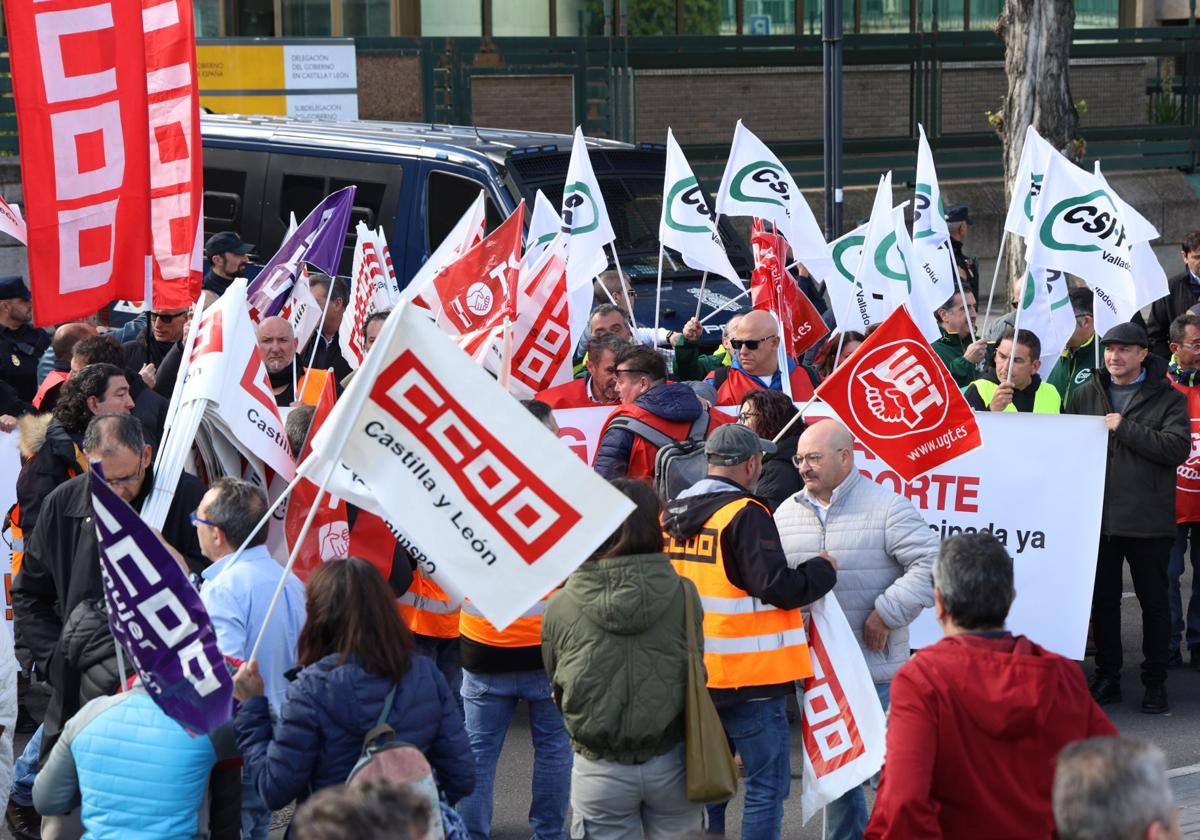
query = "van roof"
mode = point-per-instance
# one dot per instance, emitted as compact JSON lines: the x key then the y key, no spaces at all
{"x":379,"y":136}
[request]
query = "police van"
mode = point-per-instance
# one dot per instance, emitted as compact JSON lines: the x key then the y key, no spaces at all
{"x":416,"y":180}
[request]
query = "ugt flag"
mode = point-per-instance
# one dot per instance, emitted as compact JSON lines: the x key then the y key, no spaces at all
{"x":842,"y":724}
{"x":896,"y":396}
{"x":478,"y":290}
{"x":156,"y":616}
{"x":477,"y":481}
{"x":317,"y":241}
{"x":689,"y":224}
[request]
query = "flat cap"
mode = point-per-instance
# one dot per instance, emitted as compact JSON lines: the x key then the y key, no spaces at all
{"x":1126,"y":333}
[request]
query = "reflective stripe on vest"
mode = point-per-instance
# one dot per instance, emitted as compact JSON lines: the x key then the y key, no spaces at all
{"x":1045,"y":400}
{"x":746,"y":642}
{"x":526,"y":631}
{"x":427,"y":610}
{"x":17,"y":533}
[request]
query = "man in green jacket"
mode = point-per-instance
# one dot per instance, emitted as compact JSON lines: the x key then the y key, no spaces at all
{"x":961,"y":355}
{"x":1075,"y":365}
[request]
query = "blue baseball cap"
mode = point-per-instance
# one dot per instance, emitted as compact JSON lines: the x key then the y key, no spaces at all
{"x":13,"y":286}
{"x":226,"y":242}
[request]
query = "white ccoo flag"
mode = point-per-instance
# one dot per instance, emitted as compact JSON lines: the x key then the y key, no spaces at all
{"x":584,"y":217}
{"x":689,"y":224}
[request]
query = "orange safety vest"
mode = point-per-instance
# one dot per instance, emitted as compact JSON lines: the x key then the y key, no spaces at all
{"x":12,"y":522}
{"x":427,"y":610}
{"x":746,"y":642}
{"x":526,"y":631}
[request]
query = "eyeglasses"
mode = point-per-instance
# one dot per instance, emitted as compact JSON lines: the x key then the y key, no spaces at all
{"x":814,"y":459}
{"x":637,"y":371}
{"x":746,"y":415}
{"x":197,"y":520}
{"x":165,"y":317}
{"x":748,"y":343}
{"x":124,"y":480}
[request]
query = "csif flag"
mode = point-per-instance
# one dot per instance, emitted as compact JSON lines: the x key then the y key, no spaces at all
{"x":924,"y":294}
{"x":842,"y":725}
{"x":1027,"y":185}
{"x":755,"y":183}
{"x":854,"y":310}
{"x":584,"y":217}
{"x":477,"y":481}
{"x":931,"y":248}
{"x":774,"y":289}
{"x":897,"y":397}
{"x":156,"y":616}
{"x":881,"y":269}
{"x":689,"y":222}
{"x":478,"y":290}
{"x":317,"y":241}
{"x":1047,"y":313}
{"x":1149,"y":279}
{"x":544,"y":225}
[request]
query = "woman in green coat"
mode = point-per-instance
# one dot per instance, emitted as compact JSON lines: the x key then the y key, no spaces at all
{"x":615,"y":648}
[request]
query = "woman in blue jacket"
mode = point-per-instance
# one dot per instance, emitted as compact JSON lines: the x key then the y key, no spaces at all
{"x":352,"y":650}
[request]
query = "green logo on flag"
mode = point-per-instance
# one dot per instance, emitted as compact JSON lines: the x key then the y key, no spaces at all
{"x":576,"y":220}
{"x":840,"y":255}
{"x":882,"y":252}
{"x":762,"y":174}
{"x":923,"y":223}
{"x":1085,"y":219}
{"x":687,"y":191}
{"x":1035,"y":189}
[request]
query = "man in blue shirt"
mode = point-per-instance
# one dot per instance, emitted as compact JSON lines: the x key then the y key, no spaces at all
{"x":237,"y":590}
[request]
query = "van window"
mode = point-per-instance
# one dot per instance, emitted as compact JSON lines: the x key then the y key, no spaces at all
{"x":223,"y":191}
{"x":447,"y":197}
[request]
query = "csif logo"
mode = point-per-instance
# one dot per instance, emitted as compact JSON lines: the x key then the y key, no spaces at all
{"x":1085,"y":223}
{"x":903,"y":391}
{"x":846,"y":255}
{"x":580,"y":214}
{"x":688,"y":211}
{"x":922,"y":217}
{"x":1035,"y":189}
{"x":887,"y":255}
{"x":761,"y":181}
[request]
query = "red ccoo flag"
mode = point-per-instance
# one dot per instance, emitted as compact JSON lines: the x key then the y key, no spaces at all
{"x":898,"y":398}
{"x":774,"y":289}
{"x":479,"y":289}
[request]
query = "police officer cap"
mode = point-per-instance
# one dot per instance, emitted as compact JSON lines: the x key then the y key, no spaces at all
{"x":959,"y":213}
{"x":733,"y":444}
{"x":226,"y":242}
{"x":13,"y":286}
{"x":1126,"y":334}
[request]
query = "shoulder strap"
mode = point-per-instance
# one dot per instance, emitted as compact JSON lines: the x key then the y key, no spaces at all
{"x":381,"y":727}
{"x":699,"y":429}
{"x":642,"y":429}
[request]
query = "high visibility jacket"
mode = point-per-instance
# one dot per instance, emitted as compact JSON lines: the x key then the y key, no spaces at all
{"x":12,"y":522}
{"x":311,"y":384}
{"x":746,"y":642}
{"x":526,"y":631}
{"x":427,"y":610}
{"x":1046,"y":399}
{"x":738,"y":384}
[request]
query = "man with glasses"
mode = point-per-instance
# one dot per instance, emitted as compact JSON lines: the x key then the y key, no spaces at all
{"x":961,"y":355}
{"x":236,"y":591}
{"x":754,"y":341}
{"x":61,"y":567}
{"x":144,"y":355}
{"x":669,"y":407}
{"x":598,"y":386}
{"x":1184,"y":373}
{"x":1079,"y":358}
{"x":885,"y":552}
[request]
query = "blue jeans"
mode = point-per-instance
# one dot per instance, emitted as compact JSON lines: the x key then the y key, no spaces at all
{"x":848,"y":813}
{"x":256,"y":816}
{"x":444,"y":653}
{"x":759,"y":732}
{"x":489,"y":701}
{"x":1185,"y":533}
{"x":25,"y":770}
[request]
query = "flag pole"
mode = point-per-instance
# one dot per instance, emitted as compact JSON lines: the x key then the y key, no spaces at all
{"x":962,"y":296}
{"x":185,"y":360}
{"x":291,"y":562}
{"x":612,"y":246}
{"x":506,"y":343}
{"x":312,"y":357}
{"x":987,"y":313}
{"x":796,"y":419}
{"x":657,"y":293}
{"x":700,"y":299}
{"x":723,"y":307}
{"x":1016,"y":334}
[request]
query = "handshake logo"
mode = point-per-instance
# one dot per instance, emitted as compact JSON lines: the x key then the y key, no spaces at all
{"x":895,"y":393}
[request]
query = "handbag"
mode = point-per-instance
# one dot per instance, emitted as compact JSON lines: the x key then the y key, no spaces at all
{"x":711,"y":773}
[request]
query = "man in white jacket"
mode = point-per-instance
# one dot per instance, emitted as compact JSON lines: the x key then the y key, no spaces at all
{"x":885,"y":553}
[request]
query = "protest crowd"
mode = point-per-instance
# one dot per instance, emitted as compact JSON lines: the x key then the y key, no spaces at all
{"x":290,"y":547}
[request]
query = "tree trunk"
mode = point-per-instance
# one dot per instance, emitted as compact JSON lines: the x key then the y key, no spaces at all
{"x":1037,"y":44}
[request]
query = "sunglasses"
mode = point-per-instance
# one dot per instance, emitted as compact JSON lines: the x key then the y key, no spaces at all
{"x":165,"y":317}
{"x":748,"y":343}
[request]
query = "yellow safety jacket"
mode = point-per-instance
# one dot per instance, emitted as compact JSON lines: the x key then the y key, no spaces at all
{"x":427,"y":610}
{"x":1046,"y":399}
{"x":746,"y":642}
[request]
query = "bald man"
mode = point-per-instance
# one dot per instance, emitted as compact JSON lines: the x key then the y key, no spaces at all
{"x":754,"y":343}
{"x":885,"y":553}
{"x":277,"y":346}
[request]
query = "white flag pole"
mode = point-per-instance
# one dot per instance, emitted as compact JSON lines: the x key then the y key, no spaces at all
{"x":657,"y":292}
{"x":962,"y":296}
{"x":700,"y":299}
{"x":612,"y":246}
{"x":1016,"y":334}
{"x":781,"y":359}
{"x":987,"y":314}
{"x":291,"y":562}
{"x":799,"y":416}
{"x":506,"y":347}
{"x":723,"y":307}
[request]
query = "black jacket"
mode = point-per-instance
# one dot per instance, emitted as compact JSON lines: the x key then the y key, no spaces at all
{"x":754,"y":561}
{"x":1153,"y":439}
{"x":90,"y":650}
{"x":970,"y":265}
{"x":1180,"y":298}
{"x":780,"y":479}
{"x":20,"y":350}
{"x":53,"y":464}
{"x":1022,"y":397}
{"x":329,"y":355}
{"x":61,"y":569}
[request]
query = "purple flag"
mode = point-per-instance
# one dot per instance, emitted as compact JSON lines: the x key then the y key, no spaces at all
{"x":156,"y":616}
{"x":318,"y":241}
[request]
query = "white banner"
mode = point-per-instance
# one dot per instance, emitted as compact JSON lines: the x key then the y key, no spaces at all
{"x":1047,"y":518}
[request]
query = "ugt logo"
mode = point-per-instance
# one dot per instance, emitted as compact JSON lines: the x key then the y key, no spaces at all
{"x":688,"y":211}
{"x":580,"y":212}
{"x":761,"y":181}
{"x":1085,"y":223}
{"x":900,"y":390}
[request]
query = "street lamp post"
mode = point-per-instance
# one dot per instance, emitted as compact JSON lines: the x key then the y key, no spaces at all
{"x":831,"y":46}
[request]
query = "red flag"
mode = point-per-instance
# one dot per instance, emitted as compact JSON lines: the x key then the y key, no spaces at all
{"x":329,"y":536}
{"x":898,"y":398}
{"x":542,"y":333}
{"x":479,"y":288}
{"x":372,"y":540}
{"x":774,"y":289}
{"x":84,"y":130}
{"x":176,"y":170}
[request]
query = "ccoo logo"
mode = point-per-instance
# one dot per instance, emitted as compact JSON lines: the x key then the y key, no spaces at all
{"x":1085,"y":223}
{"x":900,"y":390}
{"x":580,"y":212}
{"x":761,"y":181}
{"x":688,"y":211}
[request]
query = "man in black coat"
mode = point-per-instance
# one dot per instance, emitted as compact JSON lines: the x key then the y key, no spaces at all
{"x":1183,"y":292}
{"x":1149,"y":436}
{"x":62,"y":559}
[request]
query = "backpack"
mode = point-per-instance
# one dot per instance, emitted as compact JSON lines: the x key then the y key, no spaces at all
{"x":398,"y":762}
{"x":679,"y":463}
